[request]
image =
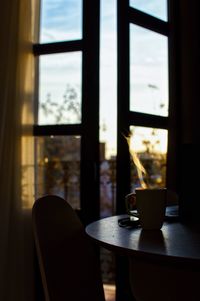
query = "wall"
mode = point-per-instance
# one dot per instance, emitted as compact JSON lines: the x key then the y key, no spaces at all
{"x":189,"y":114}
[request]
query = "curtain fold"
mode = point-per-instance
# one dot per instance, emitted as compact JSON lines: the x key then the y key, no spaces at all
{"x":17,"y":33}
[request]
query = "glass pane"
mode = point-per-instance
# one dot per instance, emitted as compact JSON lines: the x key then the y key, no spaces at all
{"x":156,"y":8}
{"x":148,"y":72}
{"x":60,"y":20}
{"x":148,"y":149}
{"x":58,"y":167}
{"x":60,"y":88}
{"x":107,"y":187}
{"x":108,"y":76}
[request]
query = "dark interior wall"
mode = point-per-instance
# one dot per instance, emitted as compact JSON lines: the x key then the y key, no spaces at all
{"x":190,"y":63}
{"x":189,"y":113}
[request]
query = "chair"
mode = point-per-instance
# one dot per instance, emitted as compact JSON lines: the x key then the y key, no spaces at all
{"x":68,"y":261}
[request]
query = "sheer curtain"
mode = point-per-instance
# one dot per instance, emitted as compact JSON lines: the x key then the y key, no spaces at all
{"x":16,"y":148}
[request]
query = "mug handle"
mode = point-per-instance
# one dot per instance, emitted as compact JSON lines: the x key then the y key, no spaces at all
{"x":130,"y":202}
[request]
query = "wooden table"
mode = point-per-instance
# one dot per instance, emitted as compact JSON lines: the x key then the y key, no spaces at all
{"x":162,"y":260}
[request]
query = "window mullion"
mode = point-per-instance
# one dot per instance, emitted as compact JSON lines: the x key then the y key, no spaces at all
{"x":90,"y":194}
{"x":57,"y":47}
{"x":142,"y":19}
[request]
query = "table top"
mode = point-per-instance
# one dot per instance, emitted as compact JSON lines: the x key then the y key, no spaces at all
{"x":175,"y":242}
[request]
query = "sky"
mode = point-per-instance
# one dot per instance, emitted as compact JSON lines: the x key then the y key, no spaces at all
{"x":148,"y":70}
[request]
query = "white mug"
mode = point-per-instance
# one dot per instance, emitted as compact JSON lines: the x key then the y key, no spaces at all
{"x":149,"y":205}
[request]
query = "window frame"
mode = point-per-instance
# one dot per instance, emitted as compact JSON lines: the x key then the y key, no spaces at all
{"x":127,"y":15}
{"x":88,"y":129}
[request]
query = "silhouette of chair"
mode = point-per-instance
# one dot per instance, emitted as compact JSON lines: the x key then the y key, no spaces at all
{"x":68,"y":261}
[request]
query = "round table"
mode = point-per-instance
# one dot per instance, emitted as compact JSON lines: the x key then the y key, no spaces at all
{"x":164,"y":264}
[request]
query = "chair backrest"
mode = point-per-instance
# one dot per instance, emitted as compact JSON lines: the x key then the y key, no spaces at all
{"x":68,"y":261}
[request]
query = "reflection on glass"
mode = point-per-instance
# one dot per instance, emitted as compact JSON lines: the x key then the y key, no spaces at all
{"x":148,"y":149}
{"x":60,"y":20}
{"x":156,"y":8}
{"x":60,"y":88}
{"x":148,"y":72}
{"x":107,"y":187}
{"x":58,"y":167}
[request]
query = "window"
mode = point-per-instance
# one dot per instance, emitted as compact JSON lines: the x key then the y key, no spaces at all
{"x":68,"y":83}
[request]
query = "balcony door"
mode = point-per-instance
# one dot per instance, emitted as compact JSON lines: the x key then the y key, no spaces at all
{"x":146,"y":102}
